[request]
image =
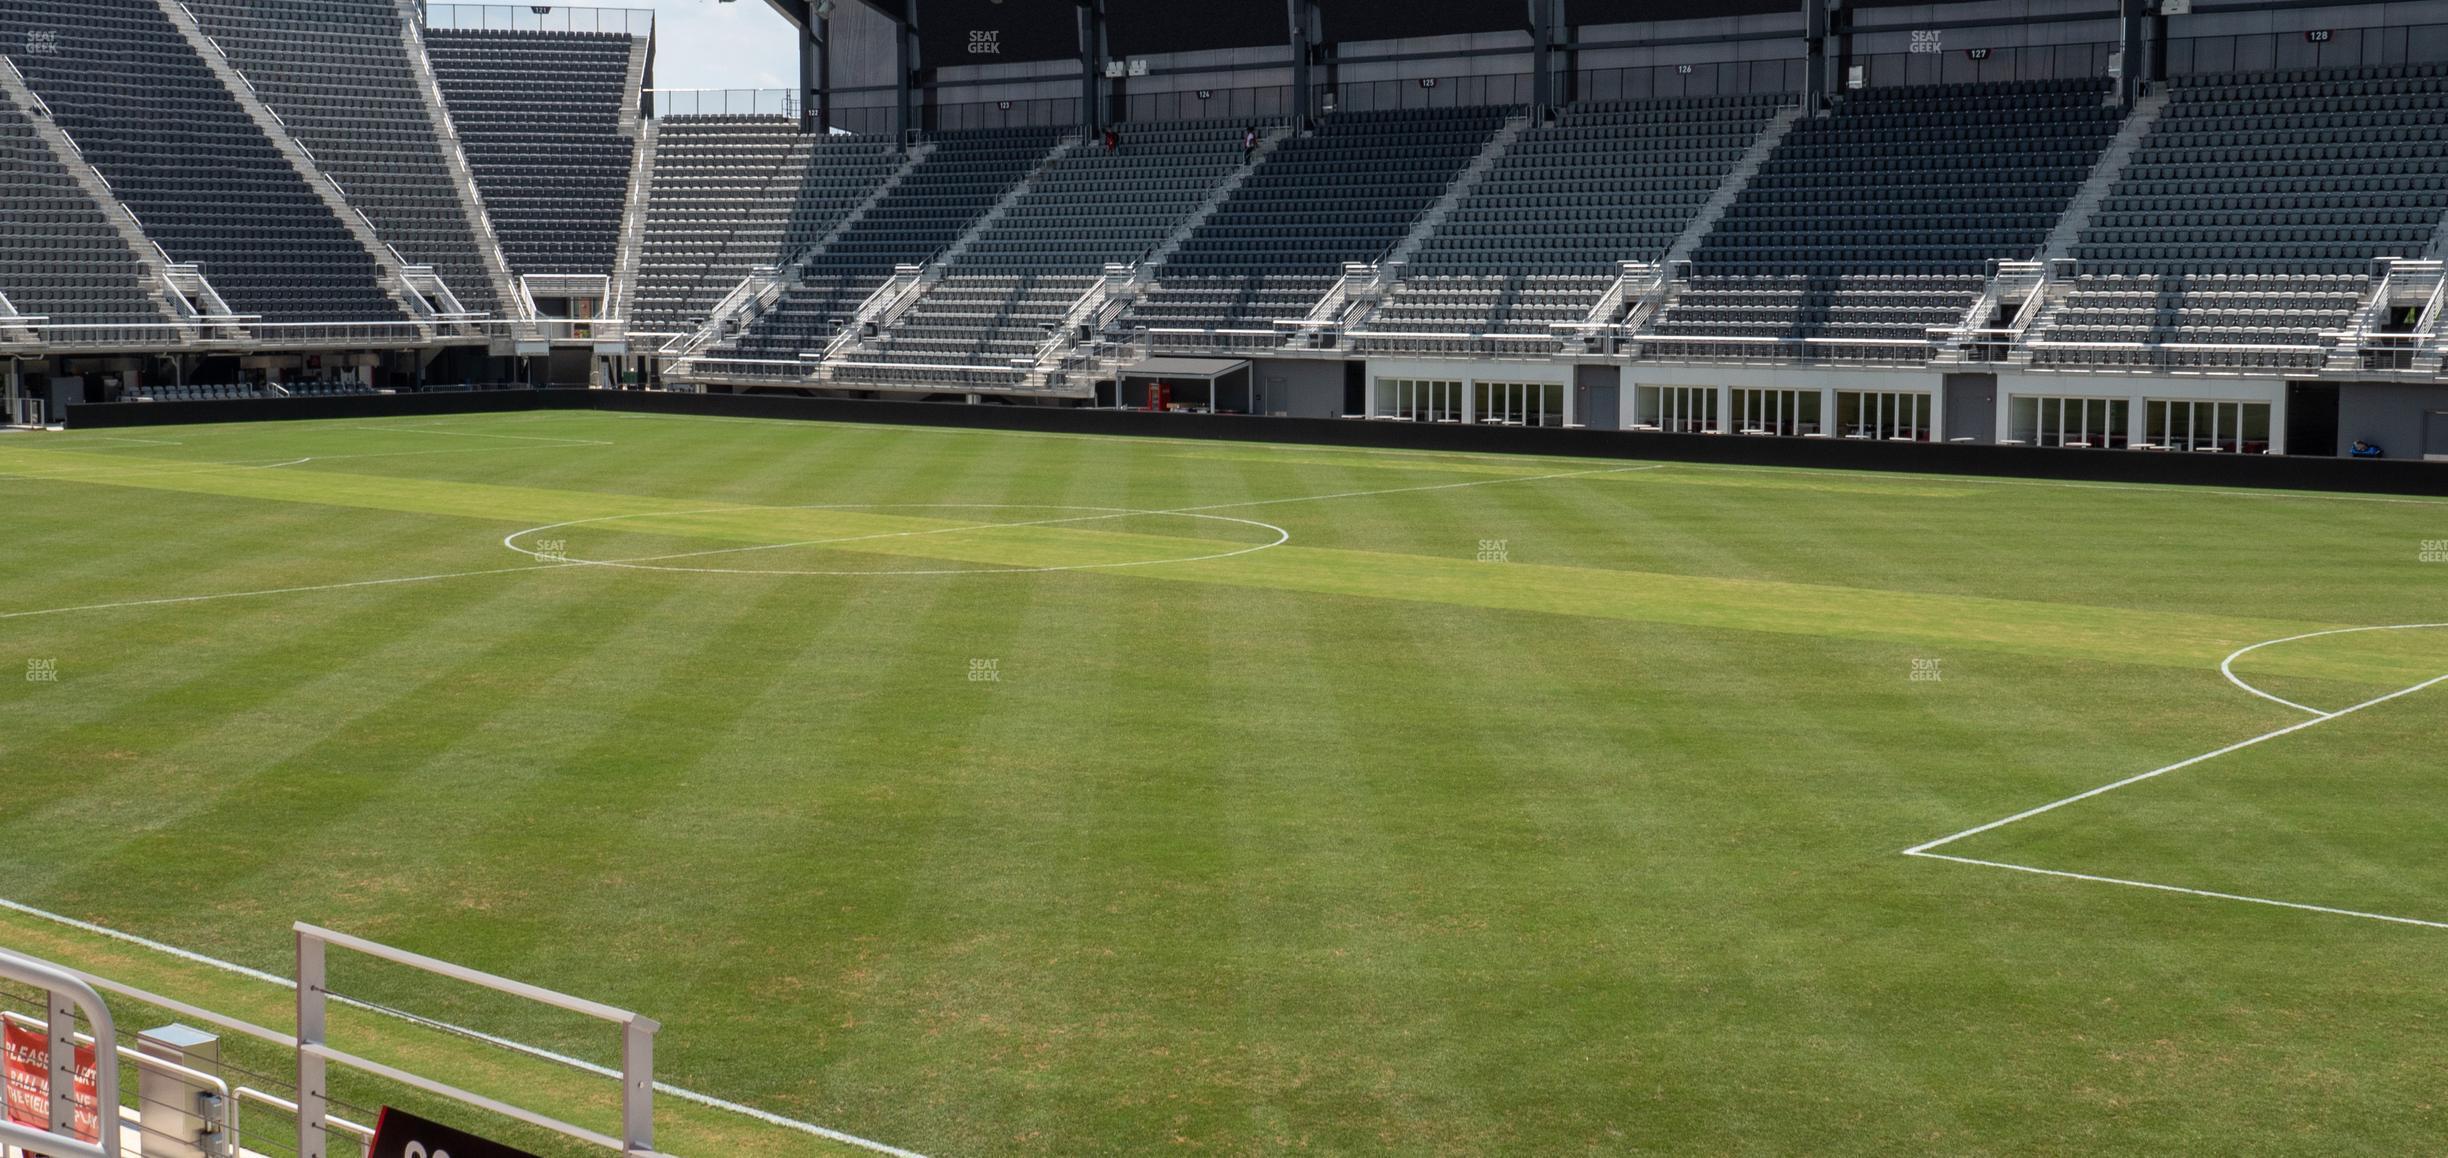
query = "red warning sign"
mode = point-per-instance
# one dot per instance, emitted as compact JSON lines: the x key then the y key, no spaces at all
{"x":25,"y":1061}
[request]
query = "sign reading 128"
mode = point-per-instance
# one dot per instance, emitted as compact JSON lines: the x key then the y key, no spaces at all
{"x":400,"y":1134}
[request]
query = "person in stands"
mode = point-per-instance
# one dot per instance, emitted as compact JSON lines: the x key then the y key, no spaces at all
{"x":1113,"y":140}
{"x":1249,"y":143}
{"x":2364,"y":449}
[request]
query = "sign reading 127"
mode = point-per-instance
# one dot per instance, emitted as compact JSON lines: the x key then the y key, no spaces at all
{"x":400,"y":1134}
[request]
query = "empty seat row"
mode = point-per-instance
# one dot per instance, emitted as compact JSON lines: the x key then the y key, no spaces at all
{"x":541,"y":117}
{"x":182,"y":153}
{"x":340,"y":75}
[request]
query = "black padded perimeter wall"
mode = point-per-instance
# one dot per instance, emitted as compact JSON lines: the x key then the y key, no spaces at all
{"x":2222,"y":470}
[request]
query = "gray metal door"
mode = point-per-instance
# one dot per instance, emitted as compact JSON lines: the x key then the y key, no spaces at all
{"x":1971,"y":407}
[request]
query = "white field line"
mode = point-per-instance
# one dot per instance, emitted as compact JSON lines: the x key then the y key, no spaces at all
{"x":2155,"y":773}
{"x":2024,"y":868}
{"x":108,"y":473}
{"x":129,"y":441}
{"x":2227,"y":665}
{"x":478,"y":434}
{"x":113,"y":472}
{"x":536,"y":1052}
{"x":1927,"y":848}
{"x":646,"y":562}
{"x":1112,"y":513}
{"x":176,"y":599}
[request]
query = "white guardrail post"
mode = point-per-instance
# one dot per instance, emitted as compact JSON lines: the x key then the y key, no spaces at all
{"x":313,"y":1095}
{"x":316,"y":1056}
{"x":68,"y":997}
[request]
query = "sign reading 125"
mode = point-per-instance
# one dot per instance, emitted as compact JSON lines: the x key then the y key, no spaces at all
{"x":400,"y":1134}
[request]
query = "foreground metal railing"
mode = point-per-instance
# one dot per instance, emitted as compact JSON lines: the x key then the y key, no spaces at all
{"x":210,"y":1116}
{"x":539,"y":18}
{"x":2183,"y":355}
{"x":1780,"y":348}
{"x":316,"y":1056}
{"x":215,"y":1115}
{"x":1459,"y":343}
{"x":67,"y":996}
{"x":248,"y":332}
{"x":1173,"y":338}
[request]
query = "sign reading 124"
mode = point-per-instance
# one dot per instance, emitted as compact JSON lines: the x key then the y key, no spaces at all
{"x":400,"y":1134}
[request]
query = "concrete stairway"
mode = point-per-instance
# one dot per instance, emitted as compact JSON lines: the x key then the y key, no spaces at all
{"x":395,"y":281}
{"x":1736,"y":180}
{"x":1215,"y":200}
{"x":1001,"y":209}
{"x":12,"y":330}
{"x":123,"y":220}
{"x":910,"y":161}
{"x":2111,"y":165}
{"x":633,"y":225}
{"x":1463,"y":182}
{"x":454,"y":155}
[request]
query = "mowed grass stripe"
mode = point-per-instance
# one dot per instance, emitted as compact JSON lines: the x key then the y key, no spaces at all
{"x":292,"y":837}
{"x":782,"y":750}
{"x":977,"y":958}
{"x":1602,"y":881}
{"x":2037,"y":628}
{"x":550,"y":857}
{"x":196,"y":707}
{"x":198,"y":542}
{"x":896,"y":976}
{"x":960,"y":850}
{"x":1396,"y":882}
{"x":2166,"y":639}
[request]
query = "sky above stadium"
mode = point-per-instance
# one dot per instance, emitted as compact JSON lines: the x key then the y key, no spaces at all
{"x":710,"y":44}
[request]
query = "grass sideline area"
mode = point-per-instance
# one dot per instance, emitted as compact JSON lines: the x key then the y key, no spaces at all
{"x":682,"y":1127}
{"x":994,"y":792}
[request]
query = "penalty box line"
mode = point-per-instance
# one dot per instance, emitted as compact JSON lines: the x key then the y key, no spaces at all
{"x":2024,"y":868}
{"x":1928,"y":849}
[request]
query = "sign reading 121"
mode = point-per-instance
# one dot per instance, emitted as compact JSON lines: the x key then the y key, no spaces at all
{"x":400,"y":1134}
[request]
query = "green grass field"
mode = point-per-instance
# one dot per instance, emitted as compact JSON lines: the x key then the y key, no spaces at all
{"x":989,"y":793}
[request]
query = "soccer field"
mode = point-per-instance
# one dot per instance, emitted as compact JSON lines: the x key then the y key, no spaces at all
{"x":991,"y":793}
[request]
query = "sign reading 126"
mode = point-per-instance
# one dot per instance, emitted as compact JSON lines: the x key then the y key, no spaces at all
{"x":400,"y":1134}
